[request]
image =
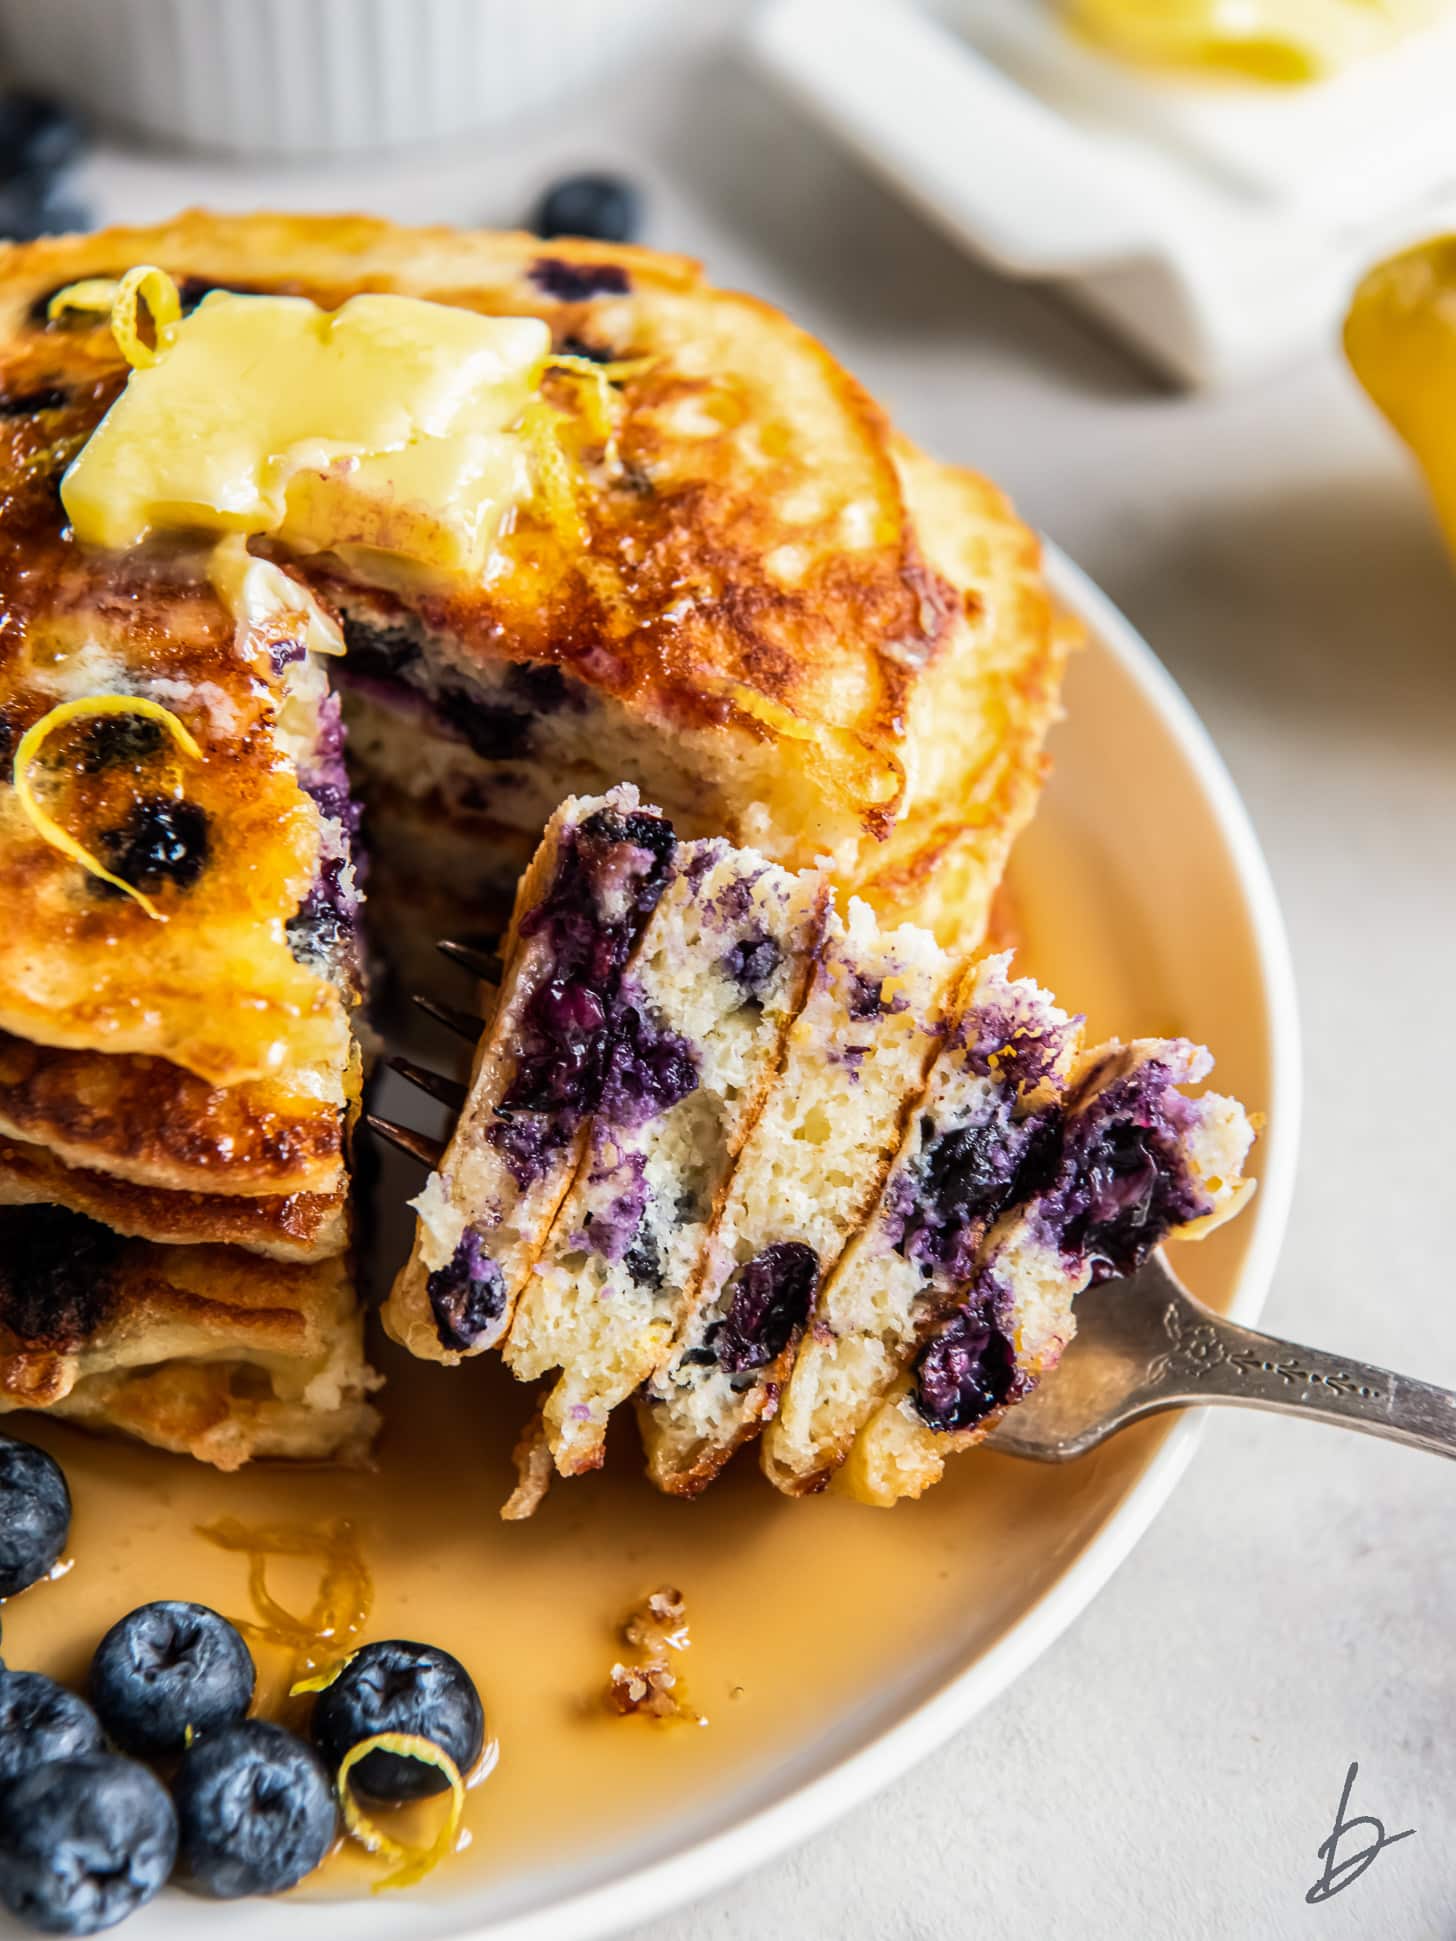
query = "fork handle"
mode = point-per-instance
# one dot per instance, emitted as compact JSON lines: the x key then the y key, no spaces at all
{"x":1213,"y":1360}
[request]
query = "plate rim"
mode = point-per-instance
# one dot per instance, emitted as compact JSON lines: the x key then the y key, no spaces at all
{"x":761,"y":1834}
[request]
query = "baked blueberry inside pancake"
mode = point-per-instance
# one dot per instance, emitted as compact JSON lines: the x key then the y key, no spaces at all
{"x":693,"y":1046}
{"x":808,"y":1174}
{"x":538,"y":1076}
{"x":971,"y":1136}
{"x":1134,"y":1161}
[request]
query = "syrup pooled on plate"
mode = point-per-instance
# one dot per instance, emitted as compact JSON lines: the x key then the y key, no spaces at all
{"x":815,"y":1624}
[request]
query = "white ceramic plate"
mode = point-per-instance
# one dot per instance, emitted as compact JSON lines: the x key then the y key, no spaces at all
{"x":1142,"y":898}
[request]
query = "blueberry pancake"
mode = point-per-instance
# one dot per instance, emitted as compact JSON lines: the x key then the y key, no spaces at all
{"x":809,"y":1174}
{"x":207,"y":1351}
{"x":694,"y":1043}
{"x":1135,"y":1161}
{"x":970,"y":1136}
{"x":714,"y":570}
{"x":293,"y":1226}
{"x":484,"y":1213}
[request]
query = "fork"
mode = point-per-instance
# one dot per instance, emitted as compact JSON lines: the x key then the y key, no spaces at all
{"x":1144,"y":1345}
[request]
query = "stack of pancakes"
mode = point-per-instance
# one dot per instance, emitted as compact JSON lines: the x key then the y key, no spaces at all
{"x":178,"y":1072}
{"x":735,"y":586}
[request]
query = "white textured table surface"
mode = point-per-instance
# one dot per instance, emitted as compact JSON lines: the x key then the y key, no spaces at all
{"x":1172,"y":1765}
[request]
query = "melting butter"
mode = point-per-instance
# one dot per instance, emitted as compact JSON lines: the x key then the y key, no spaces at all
{"x":385,"y":428}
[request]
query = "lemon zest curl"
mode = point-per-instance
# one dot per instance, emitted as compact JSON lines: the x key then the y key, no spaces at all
{"x":34,"y":739}
{"x":414,"y":1862}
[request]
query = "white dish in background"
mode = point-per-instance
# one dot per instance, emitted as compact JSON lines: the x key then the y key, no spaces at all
{"x":273,"y":79}
{"x":1219,"y":228}
{"x":1143,"y":898}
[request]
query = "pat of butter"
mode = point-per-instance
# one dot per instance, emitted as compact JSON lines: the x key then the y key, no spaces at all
{"x":1286,"y":41}
{"x":382,"y":427}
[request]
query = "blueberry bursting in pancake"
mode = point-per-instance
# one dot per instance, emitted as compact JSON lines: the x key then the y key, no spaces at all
{"x":694,"y":1044}
{"x":538,"y":1075}
{"x":1134,"y":1161}
{"x":977,"y":1128}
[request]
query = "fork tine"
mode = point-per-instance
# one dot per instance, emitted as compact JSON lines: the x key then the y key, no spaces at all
{"x":417,"y":1144}
{"x":448,"y":1091}
{"x":463,"y":1023}
{"x":482,"y":963}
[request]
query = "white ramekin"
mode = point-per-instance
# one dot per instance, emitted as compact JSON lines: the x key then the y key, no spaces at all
{"x":276,"y":78}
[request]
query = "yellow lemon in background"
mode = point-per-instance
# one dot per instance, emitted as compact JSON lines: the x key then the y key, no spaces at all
{"x":1281,"y":41}
{"x":1400,"y":336}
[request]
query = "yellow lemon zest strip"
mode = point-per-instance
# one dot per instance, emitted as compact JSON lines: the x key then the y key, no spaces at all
{"x":321,"y":1680}
{"x":416,"y":1862}
{"x":598,"y":393}
{"x":555,"y":488}
{"x":603,"y":402}
{"x":34,"y":739}
{"x":93,"y":296}
{"x":144,"y":284}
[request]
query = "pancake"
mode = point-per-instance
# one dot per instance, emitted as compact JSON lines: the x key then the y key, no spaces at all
{"x":808,"y":1176}
{"x":1136,"y":1162}
{"x":786,"y":1171}
{"x":298,"y":1226}
{"x":764,"y":608}
{"x":485,"y":1211}
{"x":149,"y":1122}
{"x":695,"y":1042}
{"x":989,"y":1101}
{"x":716,"y":573}
{"x":208,"y":1351}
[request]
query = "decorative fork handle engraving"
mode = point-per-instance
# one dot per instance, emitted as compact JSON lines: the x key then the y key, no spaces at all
{"x":1145,"y":1345}
{"x":1197,"y":1350}
{"x":1208,"y":1359}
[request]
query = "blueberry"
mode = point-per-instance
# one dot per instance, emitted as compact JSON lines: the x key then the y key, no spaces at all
{"x":41,"y":1721}
{"x":164,"y":1667}
{"x":35,"y":205}
{"x":771,"y":1299}
{"x":37,"y":136}
{"x":396,"y":1686}
{"x":160,"y":842}
{"x":84,"y":1843}
{"x":467,"y":1295}
{"x":35,"y":1514}
{"x":605,"y":208}
{"x":963,"y":1372}
{"x":255,"y":1810}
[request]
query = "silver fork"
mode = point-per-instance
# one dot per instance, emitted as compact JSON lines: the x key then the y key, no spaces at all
{"x":1144,"y":1345}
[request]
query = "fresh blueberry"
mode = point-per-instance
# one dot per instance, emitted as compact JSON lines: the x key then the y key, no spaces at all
{"x":35,"y":1514}
{"x":36,"y":205}
{"x":605,"y":208}
{"x":37,"y":136}
{"x":40,"y":1721}
{"x":396,"y":1686}
{"x":255,"y":1810}
{"x":164,"y":1667}
{"x":84,"y":1843}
